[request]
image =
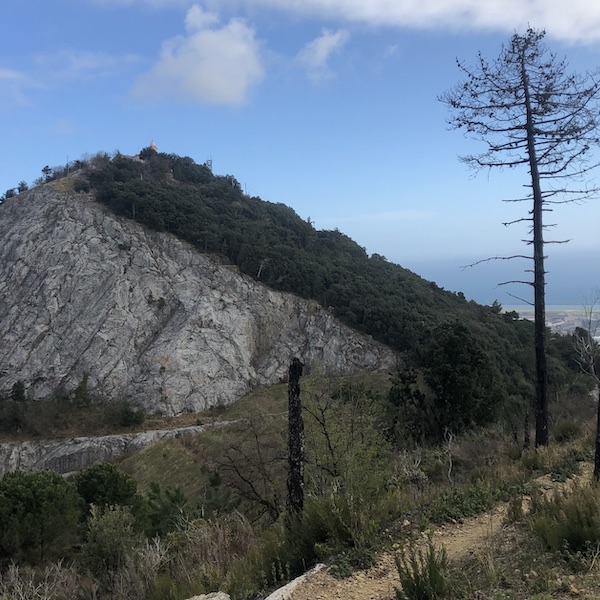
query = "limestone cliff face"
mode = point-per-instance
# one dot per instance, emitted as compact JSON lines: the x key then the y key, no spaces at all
{"x":146,"y":315}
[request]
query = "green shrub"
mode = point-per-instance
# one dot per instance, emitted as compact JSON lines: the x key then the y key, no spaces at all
{"x":207,"y":552}
{"x":567,"y":464}
{"x":567,"y":429}
{"x":111,"y":542}
{"x":104,"y":484}
{"x":39,"y":514}
{"x":535,"y":461}
{"x":568,"y":521}
{"x":356,"y":558}
{"x":166,"y":509}
{"x":318,"y":533}
{"x":423,"y":575}
{"x":125,"y":415}
{"x":458,"y":502}
{"x":81,"y":185}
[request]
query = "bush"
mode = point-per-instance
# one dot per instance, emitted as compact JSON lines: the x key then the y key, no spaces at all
{"x":568,"y":522}
{"x":111,"y":542}
{"x":166,"y":510}
{"x":81,"y":185}
{"x":423,"y":574}
{"x":123,"y":564}
{"x":55,"y":582}
{"x":39,"y":514}
{"x":205,"y":552}
{"x":459,"y":502}
{"x":104,"y":484}
{"x":129,"y":416}
{"x":567,"y":429}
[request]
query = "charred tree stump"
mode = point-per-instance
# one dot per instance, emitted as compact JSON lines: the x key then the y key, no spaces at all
{"x":295,"y":480}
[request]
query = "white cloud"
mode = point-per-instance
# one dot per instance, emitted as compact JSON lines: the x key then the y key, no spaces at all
{"x":315,"y":55}
{"x":197,"y":19}
{"x":210,"y":64}
{"x":573,"y":21}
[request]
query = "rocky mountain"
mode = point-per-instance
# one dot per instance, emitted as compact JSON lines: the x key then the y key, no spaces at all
{"x":145,"y":315}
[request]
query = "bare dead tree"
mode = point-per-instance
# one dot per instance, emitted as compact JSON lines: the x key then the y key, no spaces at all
{"x":588,"y":357}
{"x":531,"y":113}
{"x":251,"y":465}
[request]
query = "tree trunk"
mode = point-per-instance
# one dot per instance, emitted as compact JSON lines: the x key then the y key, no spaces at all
{"x":526,"y":434}
{"x":597,"y":454}
{"x":541,"y":387}
{"x":295,"y":480}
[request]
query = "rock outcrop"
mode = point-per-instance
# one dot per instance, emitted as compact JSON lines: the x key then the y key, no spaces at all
{"x":146,"y":315}
{"x":74,"y":454}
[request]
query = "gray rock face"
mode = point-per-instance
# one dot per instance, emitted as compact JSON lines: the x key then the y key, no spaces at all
{"x":146,"y":315}
{"x":75,"y":454}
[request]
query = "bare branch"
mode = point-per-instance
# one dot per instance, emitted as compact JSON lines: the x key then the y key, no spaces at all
{"x":507,"y":223}
{"x":485,"y":260}
{"x":521,"y":299}
{"x":516,"y":281}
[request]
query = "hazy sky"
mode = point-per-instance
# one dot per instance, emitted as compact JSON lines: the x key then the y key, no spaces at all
{"x":328,"y":106}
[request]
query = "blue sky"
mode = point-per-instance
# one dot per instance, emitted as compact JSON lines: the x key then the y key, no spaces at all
{"x":328,"y":106}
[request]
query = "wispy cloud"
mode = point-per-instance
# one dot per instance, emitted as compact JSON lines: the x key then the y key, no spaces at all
{"x":73,"y":64}
{"x":316,"y":54}
{"x":56,"y":69}
{"x":151,"y":3}
{"x":15,"y":87}
{"x":209,"y":64}
{"x":64,"y":127}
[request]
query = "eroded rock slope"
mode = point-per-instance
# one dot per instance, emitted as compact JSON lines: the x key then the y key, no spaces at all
{"x":146,"y":315}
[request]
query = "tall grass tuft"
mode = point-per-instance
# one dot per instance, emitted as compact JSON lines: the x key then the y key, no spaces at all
{"x":423,"y":574}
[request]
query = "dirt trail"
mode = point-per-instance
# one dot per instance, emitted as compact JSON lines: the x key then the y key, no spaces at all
{"x":471,"y":536}
{"x":380,"y":581}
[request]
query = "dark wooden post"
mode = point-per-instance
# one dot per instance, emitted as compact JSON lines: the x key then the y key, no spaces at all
{"x":295,"y":480}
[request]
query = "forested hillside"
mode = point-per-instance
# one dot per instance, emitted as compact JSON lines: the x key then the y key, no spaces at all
{"x":271,"y":243}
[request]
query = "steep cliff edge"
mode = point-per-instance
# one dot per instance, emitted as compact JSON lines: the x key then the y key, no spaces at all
{"x":146,"y":315}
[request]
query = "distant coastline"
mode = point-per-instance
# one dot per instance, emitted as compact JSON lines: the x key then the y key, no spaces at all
{"x":549,"y":308}
{"x":561,"y":318}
